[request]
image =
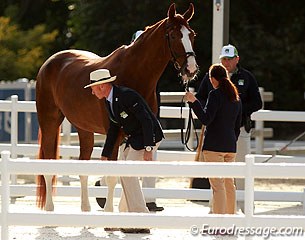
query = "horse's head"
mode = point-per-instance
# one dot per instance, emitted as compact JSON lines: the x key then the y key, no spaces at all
{"x":180,"y":38}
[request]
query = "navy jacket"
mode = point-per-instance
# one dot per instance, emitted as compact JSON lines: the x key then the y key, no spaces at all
{"x":133,"y":115}
{"x":247,"y":89}
{"x":222,"y":119}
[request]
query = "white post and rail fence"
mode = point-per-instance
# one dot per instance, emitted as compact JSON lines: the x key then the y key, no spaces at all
{"x":289,"y":167}
{"x":249,"y":170}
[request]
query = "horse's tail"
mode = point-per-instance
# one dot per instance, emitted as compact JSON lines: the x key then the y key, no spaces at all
{"x":41,"y":184}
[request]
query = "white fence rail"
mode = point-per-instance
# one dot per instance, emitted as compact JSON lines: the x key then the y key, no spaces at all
{"x":140,"y":220}
{"x":249,"y":170}
{"x":275,"y":116}
{"x":14,"y":106}
{"x":17,"y":149}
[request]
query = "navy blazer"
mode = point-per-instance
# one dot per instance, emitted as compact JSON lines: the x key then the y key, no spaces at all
{"x":222,"y":119}
{"x":131,"y":114}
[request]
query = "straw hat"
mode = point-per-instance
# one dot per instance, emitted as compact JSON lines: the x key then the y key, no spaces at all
{"x":100,"y":76}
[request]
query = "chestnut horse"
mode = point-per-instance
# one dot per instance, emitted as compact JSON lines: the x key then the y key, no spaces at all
{"x":61,"y":79}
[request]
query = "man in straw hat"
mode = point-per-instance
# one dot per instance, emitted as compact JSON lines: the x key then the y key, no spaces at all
{"x":128,"y":111}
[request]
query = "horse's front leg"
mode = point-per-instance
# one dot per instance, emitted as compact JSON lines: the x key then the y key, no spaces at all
{"x":86,"y":141}
{"x":49,"y":201}
{"x":110,"y":182}
{"x":85,"y":204}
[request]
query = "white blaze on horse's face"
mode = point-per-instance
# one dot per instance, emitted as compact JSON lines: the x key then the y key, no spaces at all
{"x":191,"y":61}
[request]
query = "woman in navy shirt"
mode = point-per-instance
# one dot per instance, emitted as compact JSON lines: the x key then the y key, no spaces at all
{"x":222,"y":117}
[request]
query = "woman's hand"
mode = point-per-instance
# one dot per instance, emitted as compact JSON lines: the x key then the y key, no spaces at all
{"x":104,"y":158}
{"x":189,"y":97}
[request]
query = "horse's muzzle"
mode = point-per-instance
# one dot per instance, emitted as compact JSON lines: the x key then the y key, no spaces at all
{"x":186,"y":74}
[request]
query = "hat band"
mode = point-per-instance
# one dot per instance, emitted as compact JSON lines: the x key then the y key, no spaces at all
{"x":102,"y":79}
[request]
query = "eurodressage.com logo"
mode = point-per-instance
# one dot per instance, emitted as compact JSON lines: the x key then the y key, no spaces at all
{"x":264,"y":232}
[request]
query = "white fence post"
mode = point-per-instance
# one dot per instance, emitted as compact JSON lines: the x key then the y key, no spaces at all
{"x":249,"y":190}
{"x":5,"y":194}
{"x":27,"y":115}
{"x":14,"y":126}
{"x":66,"y":130}
{"x":14,"y":133}
{"x":259,"y":128}
{"x":304,"y":201}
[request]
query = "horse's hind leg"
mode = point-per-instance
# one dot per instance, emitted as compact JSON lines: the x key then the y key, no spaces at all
{"x":49,"y":206}
{"x":86,"y":142}
{"x":49,"y":122}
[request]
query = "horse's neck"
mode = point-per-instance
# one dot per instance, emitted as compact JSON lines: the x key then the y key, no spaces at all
{"x":154,"y":48}
{"x":141,"y":64}
{"x":151,"y":54}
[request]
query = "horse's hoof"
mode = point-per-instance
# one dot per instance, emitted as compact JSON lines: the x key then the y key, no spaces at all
{"x":86,"y":209}
{"x":100,"y":201}
{"x":50,"y":209}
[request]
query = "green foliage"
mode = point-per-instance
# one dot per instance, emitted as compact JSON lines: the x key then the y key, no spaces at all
{"x":22,"y":52}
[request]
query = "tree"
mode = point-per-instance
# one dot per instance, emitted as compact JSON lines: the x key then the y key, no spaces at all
{"x":22,"y":52}
{"x":270,"y":39}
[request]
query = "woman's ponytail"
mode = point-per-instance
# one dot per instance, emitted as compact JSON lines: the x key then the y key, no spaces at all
{"x":219,"y":72}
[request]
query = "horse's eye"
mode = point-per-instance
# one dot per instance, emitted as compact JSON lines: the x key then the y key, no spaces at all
{"x":174,"y":35}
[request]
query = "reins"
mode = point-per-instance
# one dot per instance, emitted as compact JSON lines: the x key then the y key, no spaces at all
{"x":186,"y":138}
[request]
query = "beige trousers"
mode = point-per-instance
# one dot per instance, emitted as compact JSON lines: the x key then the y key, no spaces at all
{"x":132,"y":198}
{"x":243,"y":148}
{"x":150,"y":182}
{"x":224,"y":192}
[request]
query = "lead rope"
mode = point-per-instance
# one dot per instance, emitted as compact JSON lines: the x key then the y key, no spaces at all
{"x":185,"y":138}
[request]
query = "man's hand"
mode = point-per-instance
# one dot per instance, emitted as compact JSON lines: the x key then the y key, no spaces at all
{"x":189,"y":97}
{"x":147,"y":155}
{"x":104,"y":158}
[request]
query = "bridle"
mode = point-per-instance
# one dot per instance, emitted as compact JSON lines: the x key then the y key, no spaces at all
{"x":181,"y":69}
{"x":174,"y":57}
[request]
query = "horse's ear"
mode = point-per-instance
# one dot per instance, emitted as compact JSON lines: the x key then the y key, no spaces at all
{"x":189,"y":13}
{"x":171,"y":11}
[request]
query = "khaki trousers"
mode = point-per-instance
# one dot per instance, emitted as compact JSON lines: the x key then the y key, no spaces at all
{"x":150,"y":182}
{"x":132,"y":198}
{"x":224,"y":192}
{"x":243,"y":148}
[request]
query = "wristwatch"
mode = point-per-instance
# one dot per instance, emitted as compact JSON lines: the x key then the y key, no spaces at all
{"x":148,"y":148}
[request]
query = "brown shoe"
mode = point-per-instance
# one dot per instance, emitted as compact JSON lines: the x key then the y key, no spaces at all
{"x":134,"y":230}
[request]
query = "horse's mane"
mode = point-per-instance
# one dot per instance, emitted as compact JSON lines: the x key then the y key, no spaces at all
{"x":157,"y":24}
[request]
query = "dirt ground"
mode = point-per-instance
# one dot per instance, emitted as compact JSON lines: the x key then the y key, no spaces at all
{"x":294,"y":185}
